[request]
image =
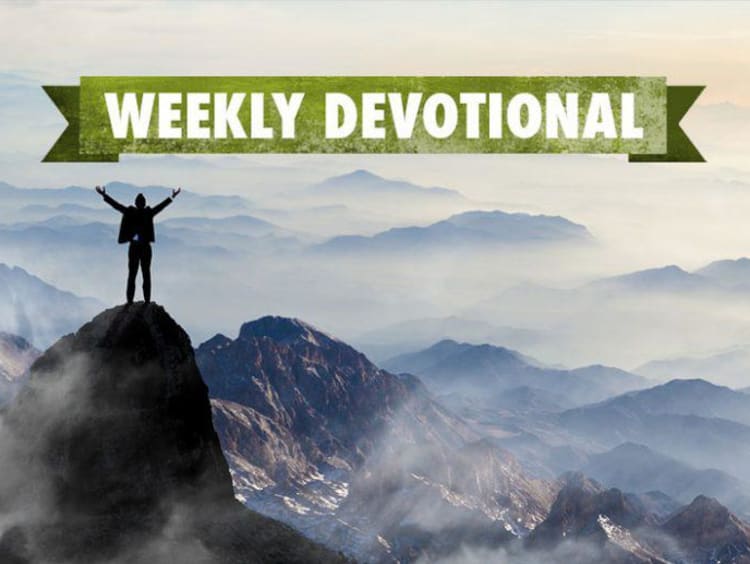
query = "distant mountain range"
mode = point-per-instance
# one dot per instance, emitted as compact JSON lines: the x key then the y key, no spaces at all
{"x":79,"y":217}
{"x":362,"y":183}
{"x":730,"y":368}
{"x":485,"y":372}
{"x":631,"y":319}
{"x":211,"y":237}
{"x":190,"y":202}
{"x":237,"y":224}
{"x":691,"y":420}
{"x":637,"y":468}
{"x":730,"y":273}
{"x":717,"y":276}
{"x":465,"y":230}
{"x":694,"y":397}
{"x":399,"y":338}
{"x":38,"y":311}
{"x":664,"y":279}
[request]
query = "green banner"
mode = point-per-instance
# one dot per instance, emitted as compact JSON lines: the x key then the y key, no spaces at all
{"x":637,"y":116}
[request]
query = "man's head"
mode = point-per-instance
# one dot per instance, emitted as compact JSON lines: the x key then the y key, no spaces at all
{"x":140,"y":201}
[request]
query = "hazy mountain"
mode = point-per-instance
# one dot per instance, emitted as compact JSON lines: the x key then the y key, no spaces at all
{"x":484,"y":372}
{"x":318,"y":436}
{"x":16,"y":356}
{"x":637,"y":468}
{"x":214,"y":237}
{"x":728,"y":368}
{"x":238,"y":224}
{"x":77,"y":212}
{"x":365,"y":200}
{"x":399,"y":338}
{"x":680,"y":419}
{"x":14,"y":198}
{"x":474,"y":229}
{"x":664,"y":279}
{"x":38,"y":311}
{"x":534,"y":400}
{"x":540,"y":458}
{"x":729,"y":273}
{"x":624,"y":320}
{"x":109,"y":454}
{"x":694,"y":397}
{"x":362,"y":183}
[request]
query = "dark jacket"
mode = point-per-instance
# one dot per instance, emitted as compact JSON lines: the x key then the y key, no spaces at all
{"x":136,"y":221}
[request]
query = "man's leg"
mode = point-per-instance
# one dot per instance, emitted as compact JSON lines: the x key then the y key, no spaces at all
{"x":146,"y":271}
{"x":132,"y":271}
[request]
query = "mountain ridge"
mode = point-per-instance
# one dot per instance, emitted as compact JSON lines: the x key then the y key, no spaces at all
{"x":465,"y":230}
{"x":482,"y":371}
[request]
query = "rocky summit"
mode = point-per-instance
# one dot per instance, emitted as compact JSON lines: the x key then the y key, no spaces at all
{"x":355,"y":456}
{"x":109,"y":454}
{"x":593,"y":524}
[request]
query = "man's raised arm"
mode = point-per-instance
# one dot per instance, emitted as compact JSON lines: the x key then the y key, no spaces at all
{"x":159,"y":207}
{"x":111,"y":201}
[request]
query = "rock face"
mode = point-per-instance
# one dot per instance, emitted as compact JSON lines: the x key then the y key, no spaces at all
{"x":708,"y":532}
{"x":594,"y":524}
{"x":109,"y":453}
{"x":586,"y":512}
{"x":367,"y":461}
{"x":16,"y":356}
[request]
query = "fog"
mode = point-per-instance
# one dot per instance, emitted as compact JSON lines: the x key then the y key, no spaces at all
{"x":218,"y":277}
{"x":28,"y":490}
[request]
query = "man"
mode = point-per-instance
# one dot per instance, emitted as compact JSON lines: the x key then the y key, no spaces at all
{"x":137,"y":228}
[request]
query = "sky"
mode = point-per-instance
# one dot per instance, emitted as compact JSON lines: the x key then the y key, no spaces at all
{"x":691,"y":42}
{"x":688,"y":42}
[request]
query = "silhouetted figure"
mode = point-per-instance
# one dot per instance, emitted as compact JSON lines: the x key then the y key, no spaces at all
{"x":137,"y":228}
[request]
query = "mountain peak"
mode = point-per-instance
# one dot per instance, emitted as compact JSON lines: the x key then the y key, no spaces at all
{"x":581,"y":482}
{"x":692,"y":384}
{"x":359,"y":176}
{"x":115,"y":427}
{"x":664,"y":278}
{"x":706,"y":528}
{"x":286,"y":330}
{"x":361,"y":181}
{"x":703,"y":509}
{"x":361,"y":173}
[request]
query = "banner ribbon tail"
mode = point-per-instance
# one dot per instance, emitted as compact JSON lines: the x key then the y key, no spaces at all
{"x":67,"y":147}
{"x":680,"y":149}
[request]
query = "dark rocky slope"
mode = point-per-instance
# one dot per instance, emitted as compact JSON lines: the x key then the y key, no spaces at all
{"x":109,"y":454}
{"x":589,"y":523}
